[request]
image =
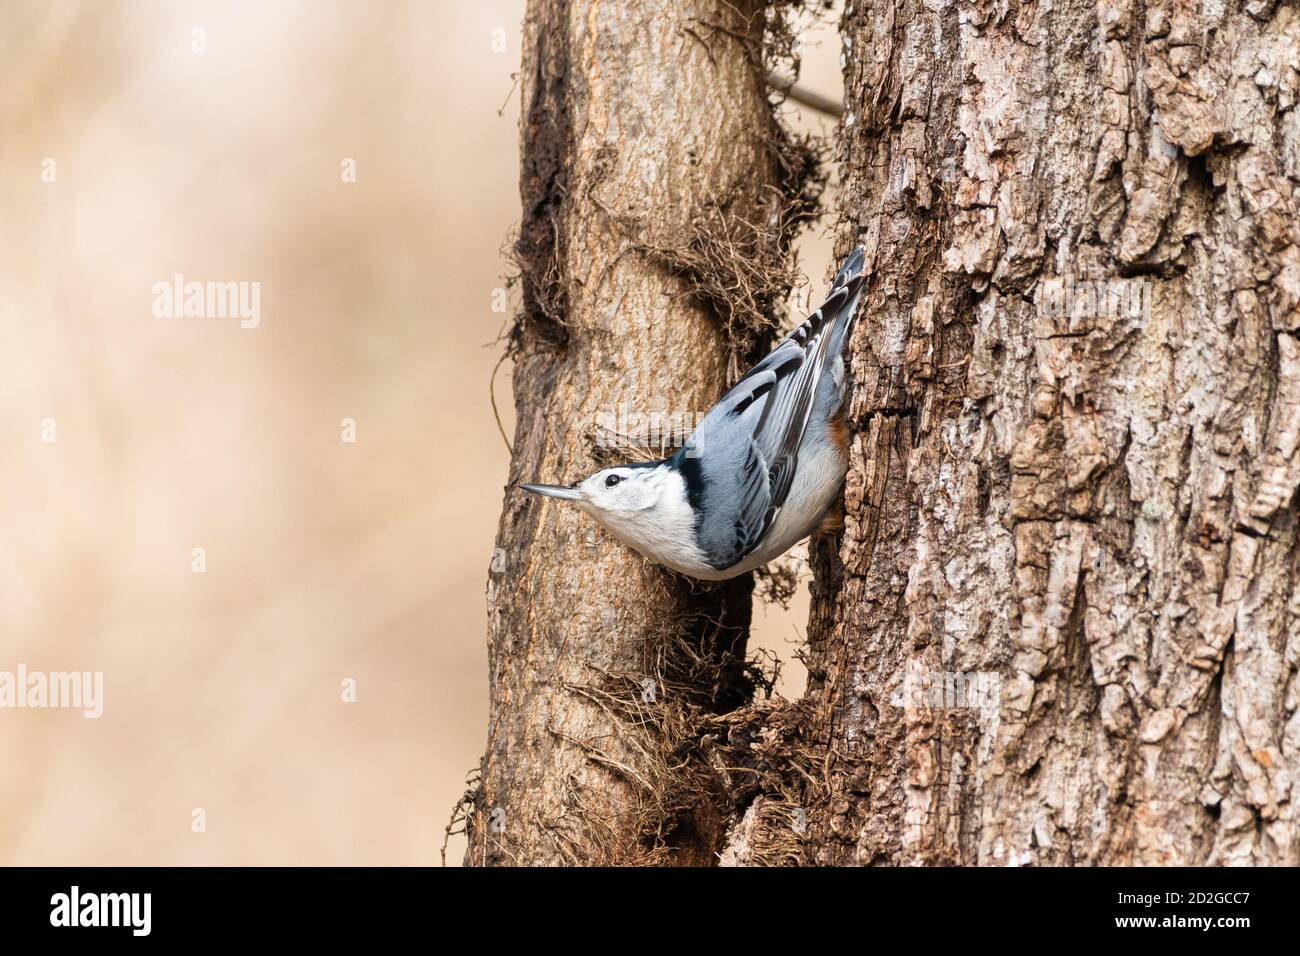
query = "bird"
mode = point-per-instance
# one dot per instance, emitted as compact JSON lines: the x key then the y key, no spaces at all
{"x":760,"y":472}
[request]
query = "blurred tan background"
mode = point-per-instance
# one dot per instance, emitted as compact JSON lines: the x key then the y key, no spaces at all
{"x":325,"y":560}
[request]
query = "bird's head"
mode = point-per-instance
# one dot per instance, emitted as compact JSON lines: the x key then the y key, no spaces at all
{"x":613,"y":496}
{"x":646,"y":506}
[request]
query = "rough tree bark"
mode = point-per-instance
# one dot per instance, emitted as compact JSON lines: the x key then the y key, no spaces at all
{"x":1099,"y":510}
{"x":1083,"y":511}
{"x":646,"y":138}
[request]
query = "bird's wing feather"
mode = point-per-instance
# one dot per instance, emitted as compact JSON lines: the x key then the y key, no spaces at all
{"x":748,"y":444}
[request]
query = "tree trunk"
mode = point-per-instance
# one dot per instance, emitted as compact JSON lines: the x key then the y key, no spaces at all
{"x":1084,"y":521}
{"x":1062,"y":624}
{"x":658,"y":201}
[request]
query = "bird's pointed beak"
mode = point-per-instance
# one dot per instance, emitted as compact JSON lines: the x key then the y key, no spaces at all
{"x":554,"y":491}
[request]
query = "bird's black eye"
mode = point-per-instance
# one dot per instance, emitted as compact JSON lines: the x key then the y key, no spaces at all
{"x":612,"y":480}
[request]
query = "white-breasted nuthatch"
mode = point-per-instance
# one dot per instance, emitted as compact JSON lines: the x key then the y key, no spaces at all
{"x":760,"y":471}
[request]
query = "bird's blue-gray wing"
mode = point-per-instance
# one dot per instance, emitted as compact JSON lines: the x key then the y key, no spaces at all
{"x":741,"y":461}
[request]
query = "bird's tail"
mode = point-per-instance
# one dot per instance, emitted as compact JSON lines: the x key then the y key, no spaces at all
{"x":852,"y":268}
{"x":849,"y":277}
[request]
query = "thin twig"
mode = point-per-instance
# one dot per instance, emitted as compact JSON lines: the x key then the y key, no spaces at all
{"x":513,"y":86}
{"x":816,"y":101}
{"x":492,"y":394}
